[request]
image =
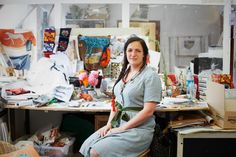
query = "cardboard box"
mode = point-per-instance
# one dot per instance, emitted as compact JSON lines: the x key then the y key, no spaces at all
{"x":9,"y":150}
{"x":56,"y":151}
{"x":223,"y":110}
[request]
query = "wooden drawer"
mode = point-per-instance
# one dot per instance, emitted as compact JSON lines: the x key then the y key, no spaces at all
{"x":100,"y":121}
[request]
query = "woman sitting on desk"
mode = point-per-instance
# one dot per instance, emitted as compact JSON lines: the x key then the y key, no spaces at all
{"x":129,"y":130}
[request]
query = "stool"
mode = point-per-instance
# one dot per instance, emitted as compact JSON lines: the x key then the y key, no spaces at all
{"x":145,"y":154}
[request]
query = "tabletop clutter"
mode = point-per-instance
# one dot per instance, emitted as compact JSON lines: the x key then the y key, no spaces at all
{"x":84,"y":86}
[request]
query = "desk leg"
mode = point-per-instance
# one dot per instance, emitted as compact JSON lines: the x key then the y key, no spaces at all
{"x":11,"y":123}
{"x":180,"y":145}
{"x":27,"y":122}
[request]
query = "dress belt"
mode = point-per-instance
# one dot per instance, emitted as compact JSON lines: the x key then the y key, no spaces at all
{"x":121,"y":114}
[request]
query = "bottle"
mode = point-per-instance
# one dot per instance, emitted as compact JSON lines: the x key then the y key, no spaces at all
{"x":189,"y":84}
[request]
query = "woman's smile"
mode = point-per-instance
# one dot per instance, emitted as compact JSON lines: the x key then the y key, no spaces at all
{"x":135,"y":54}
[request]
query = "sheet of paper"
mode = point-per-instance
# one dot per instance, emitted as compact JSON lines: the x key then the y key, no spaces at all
{"x":154,"y":58}
{"x":170,"y":100}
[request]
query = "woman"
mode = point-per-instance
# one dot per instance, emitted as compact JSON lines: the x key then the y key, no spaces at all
{"x":137,"y":91}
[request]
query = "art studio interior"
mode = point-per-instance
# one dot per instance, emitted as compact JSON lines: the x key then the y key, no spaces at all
{"x":59,"y":62}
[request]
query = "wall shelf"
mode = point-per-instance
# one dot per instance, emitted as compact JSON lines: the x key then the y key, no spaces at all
{"x":85,"y":23}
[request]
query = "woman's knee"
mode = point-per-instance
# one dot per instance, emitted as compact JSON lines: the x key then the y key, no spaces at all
{"x":93,"y":153}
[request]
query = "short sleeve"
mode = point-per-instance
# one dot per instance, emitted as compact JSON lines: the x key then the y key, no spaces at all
{"x":152,"y":88}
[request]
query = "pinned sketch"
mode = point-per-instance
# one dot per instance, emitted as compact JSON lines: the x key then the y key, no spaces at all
{"x":206,"y":66}
{"x":189,"y":45}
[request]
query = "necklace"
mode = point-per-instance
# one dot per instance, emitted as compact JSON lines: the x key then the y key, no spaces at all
{"x":124,"y":82}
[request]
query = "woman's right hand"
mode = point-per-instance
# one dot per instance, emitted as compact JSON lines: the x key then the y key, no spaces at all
{"x":103,"y":131}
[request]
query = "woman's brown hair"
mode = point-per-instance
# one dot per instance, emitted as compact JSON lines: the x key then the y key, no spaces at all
{"x":124,"y":69}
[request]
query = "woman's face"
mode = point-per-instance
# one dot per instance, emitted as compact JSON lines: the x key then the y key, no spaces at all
{"x":135,"y":53}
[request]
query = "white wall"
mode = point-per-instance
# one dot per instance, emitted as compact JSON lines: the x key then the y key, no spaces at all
{"x":115,"y":14}
{"x":186,"y":20}
{"x":21,"y":17}
{"x":12,"y":14}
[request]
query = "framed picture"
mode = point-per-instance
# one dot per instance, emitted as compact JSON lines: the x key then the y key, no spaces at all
{"x":189,"y":45}
{"x":151,"y":29}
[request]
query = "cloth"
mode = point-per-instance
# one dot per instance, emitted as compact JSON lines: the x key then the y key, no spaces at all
{"x":143,"y":88}
{"x":16,"y":44}
{"x":46,"y":74}
{"x":49,"y":40}
{"x":63,"y":39}
{"x":21,"y":62}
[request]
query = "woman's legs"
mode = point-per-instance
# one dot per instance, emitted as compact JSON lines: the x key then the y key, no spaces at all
{"x":93,"y":153}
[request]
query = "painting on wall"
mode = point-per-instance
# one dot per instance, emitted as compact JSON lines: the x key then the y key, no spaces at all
{"x":189,"y":45}
{"x":151,"y":29}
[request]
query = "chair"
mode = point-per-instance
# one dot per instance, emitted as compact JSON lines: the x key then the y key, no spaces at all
{"x":146,"y":153}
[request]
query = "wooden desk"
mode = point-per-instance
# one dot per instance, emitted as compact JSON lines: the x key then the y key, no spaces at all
{"x":105,"y":108}
{"x":61,"y":108}
{"x":53,"y":108}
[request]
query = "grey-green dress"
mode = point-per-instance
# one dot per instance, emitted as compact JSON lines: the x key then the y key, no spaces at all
{"x":144,"y":87}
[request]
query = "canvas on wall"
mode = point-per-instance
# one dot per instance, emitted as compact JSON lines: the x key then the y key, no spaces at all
{"x":189,"y":45}
{"x":151,"y":29}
